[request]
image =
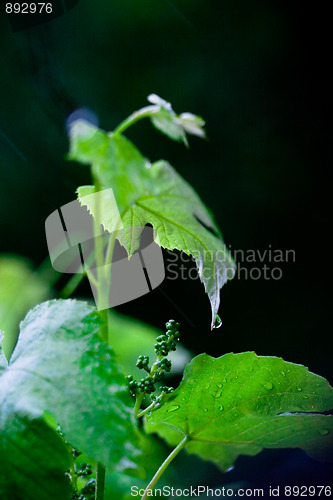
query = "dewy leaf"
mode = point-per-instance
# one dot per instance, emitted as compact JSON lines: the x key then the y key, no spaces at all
{"x":33,"y":457}
{"x":61,"y":366}
{"x":154,"y":194}
{"x":242,"y":403}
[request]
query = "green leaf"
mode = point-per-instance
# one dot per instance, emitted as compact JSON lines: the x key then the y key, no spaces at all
{"x":174,"y":126}
{"x":139,"y":338}
{"x":16,"y":298}
{"x":153,"y":194}
{"x":33,"y":456}
{"x":61,"y":366}
{"x":242,"y":403}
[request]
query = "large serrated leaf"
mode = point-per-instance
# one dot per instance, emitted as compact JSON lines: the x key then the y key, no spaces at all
{"x":33,"y":457}
{"x":61,"y":366}
{"x":153,"y":194}
{"x":242,"y":403}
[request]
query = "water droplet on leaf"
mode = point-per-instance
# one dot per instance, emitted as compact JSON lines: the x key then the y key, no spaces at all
{"x":299,"y":389}
{"x":324,"y":432}
{"x":205,"y":410}
{"x":283,"y":374}
{"x":217,"y":394}
{"x":221,"y":407}
{"x":173,"y":408}
{"x":268,"y":386}
{"x":217,"y":322}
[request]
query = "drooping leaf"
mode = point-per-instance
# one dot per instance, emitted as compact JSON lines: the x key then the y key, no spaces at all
{"x":33,"y":456}
{"x":153,"y":194}
{"x":242,"y":403}
{"x":16,"y":298}
{"x":130,"y":338}
{"x":61,"y":366}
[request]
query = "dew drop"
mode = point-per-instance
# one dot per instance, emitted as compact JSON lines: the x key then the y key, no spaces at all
{"x":299,"y":389}
{"x":221,"y":407}
{"x":268,"y":386}
{"x":283,"y":374}
{"x":218,"y":394}
{"x":173,"y":408}
{"x":147,"y":164}
{"x":205,"y":410}
{"x":225,"y":380}
{"x":324,"y":432}
{"x":219,"y":385}
{"x":230,"y":468}
{"x":217,"y":322}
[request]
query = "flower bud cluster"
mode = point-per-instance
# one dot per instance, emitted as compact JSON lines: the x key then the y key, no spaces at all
{"x":165,"y":344}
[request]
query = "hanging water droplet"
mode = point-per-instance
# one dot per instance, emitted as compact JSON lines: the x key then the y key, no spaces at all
{"x":230,"y":468}
{"x":324,"y":432}
{"x":173,"y":408}
{"x":268,"y":386}
{"x":217,"y":322}
{"x":299,"y":389}
{"x":147,"y":164}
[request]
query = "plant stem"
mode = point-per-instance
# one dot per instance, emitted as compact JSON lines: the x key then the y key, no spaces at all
{"x":150,"y":407}
{"x":100,"y":482}
{"x":137,"y":406}
{"x":145,"y":112}
{"x":163,"y":467}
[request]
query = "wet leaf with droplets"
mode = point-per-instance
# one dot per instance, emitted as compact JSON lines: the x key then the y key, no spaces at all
{"x":61,"y":366}
{"x":260,"y":406}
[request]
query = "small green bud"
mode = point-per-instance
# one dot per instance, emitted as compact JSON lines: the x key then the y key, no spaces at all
{"x":160,"y":338}
{"x":89,"y":488}
{"x":165,"y":365}
{"x":158,"y":376}
{"x":172,"y":345}
{"x":86,"y":470}
{"x":166,"y":389}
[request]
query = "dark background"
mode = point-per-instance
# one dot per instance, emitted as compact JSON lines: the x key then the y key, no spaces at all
{"x":259,"y":73}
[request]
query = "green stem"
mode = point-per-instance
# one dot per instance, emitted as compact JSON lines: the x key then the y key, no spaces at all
{"x":150,"y":407}
{"x":137,"y":406}
{"x":145,"y":112}
{"x":100,"y":482}
{"x":163,"y":467}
